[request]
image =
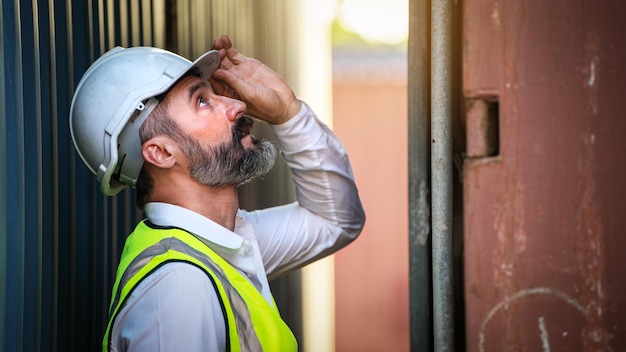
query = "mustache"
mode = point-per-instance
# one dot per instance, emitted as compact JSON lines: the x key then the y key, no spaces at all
{"x":242,"y":128}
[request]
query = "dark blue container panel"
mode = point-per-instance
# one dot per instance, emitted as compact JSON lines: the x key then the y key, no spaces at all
{"x":60,"y":238}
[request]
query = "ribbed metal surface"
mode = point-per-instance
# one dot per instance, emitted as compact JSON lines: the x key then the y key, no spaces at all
{"x":60,"y":239}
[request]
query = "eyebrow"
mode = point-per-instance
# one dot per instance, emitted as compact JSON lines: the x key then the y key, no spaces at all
{"x":194,"y":88}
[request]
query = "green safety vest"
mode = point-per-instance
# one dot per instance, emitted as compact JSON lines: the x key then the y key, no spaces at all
{"x":252,"y":324}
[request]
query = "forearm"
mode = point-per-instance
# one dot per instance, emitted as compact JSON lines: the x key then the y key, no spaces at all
{"x":321,"y":171}
{"x":328,"y":213}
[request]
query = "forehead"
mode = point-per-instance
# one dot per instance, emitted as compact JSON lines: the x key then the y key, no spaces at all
{"x":187,"y":87}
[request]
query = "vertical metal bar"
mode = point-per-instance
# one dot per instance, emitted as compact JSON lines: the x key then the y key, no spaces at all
{"x":4,"y":109}
{"x":419,"y":161}
{"x":12,"y":304}
{"x":441,"y":169}
{"x":33,"y":134}
{"x":53,"y":269}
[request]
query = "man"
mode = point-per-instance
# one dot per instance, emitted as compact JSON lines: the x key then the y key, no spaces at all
{"x":194,"y":275}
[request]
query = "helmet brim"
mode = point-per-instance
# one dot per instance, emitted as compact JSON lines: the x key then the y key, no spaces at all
{"x":206,"y":64}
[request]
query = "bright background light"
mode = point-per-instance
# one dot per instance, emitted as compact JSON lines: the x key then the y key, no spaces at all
{"x":335,"y":36}
{"x":384,"y":21}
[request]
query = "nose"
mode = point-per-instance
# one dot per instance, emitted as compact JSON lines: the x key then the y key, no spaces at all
{"x":233,"y":108}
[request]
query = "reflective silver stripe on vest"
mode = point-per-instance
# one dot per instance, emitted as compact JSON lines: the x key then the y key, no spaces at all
{"x":247,"y":337}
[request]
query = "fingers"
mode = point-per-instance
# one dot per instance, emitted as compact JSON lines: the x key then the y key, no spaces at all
{"x":223,"y":42}
{"x":220,"y":88}
{"x":229,"y":54}
{"x":227,"y":83}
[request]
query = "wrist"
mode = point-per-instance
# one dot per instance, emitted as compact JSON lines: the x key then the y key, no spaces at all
{"x":300,"y":132}
{"x":293,"y":109}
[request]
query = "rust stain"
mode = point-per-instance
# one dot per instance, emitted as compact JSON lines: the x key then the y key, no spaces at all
{"x":591,"y":252}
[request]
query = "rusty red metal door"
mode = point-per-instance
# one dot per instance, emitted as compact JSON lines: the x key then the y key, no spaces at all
{"x":545,"y":89}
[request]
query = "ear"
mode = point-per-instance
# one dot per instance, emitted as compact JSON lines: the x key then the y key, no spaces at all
{"x":160,"y":152}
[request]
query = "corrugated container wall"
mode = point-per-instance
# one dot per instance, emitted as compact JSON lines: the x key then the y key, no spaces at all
{"x":60,"y":239}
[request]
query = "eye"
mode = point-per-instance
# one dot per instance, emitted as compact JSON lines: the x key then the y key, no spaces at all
{"x":202,"y":102}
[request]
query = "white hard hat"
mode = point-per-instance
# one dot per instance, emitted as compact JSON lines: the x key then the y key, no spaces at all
{"x":113,"y":99}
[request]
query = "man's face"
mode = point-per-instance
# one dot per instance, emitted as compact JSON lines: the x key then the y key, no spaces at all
{"x":218,"y":144}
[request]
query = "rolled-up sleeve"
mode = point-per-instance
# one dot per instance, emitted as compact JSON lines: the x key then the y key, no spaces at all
{"x":328,"y":213}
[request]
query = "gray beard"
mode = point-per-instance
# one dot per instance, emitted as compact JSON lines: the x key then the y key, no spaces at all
{"x":229,"y":163}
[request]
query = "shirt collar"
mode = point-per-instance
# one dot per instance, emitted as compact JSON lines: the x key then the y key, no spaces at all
{"x":165,"y":214}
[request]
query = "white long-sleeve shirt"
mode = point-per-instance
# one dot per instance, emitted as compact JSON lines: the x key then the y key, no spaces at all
{"x":176,"y":308}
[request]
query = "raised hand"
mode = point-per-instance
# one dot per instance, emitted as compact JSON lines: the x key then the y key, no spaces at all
{"x":266,"y":94}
